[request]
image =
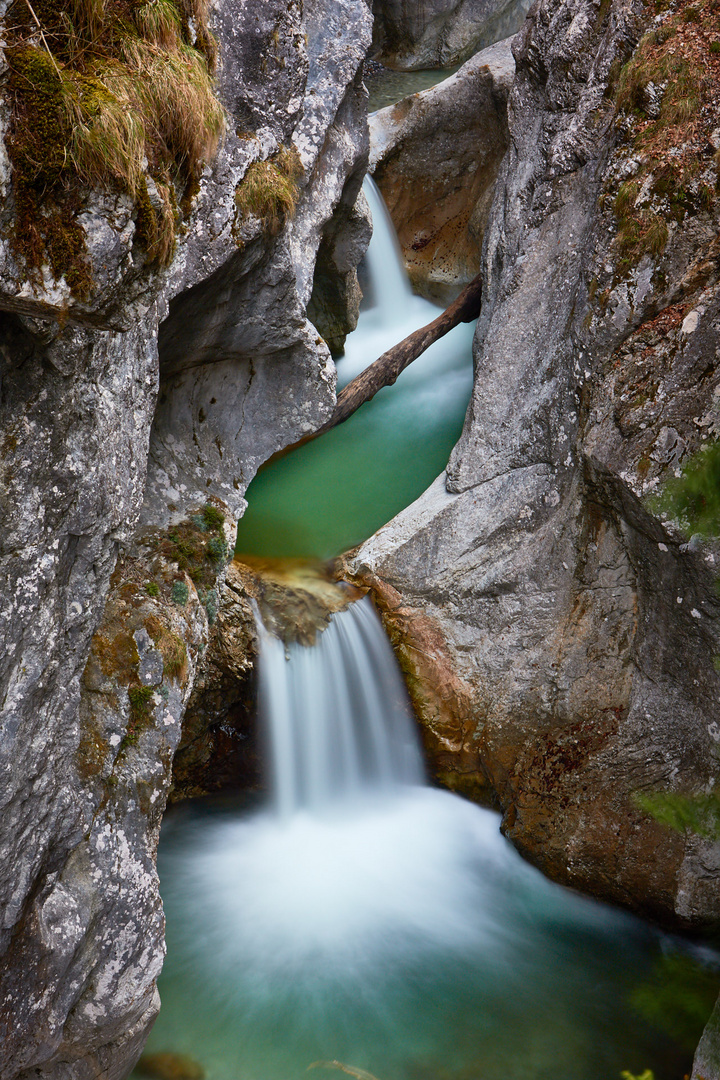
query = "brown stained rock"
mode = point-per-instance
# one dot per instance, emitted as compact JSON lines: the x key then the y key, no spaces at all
{"x":435,"y":157}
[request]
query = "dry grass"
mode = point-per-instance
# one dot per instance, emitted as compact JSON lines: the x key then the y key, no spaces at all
{"x":124,"y":95}
{"x":269,"y":189}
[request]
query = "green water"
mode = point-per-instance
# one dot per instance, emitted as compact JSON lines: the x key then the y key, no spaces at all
{"x":338,"y":490}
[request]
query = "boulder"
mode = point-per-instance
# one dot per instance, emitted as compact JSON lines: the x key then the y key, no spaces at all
{"x":435,"y":157}
{"x":440,"y":33}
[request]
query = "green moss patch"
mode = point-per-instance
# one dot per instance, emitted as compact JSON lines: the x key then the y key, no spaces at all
{"x":197,"y":546}
{"x":112,"y":94}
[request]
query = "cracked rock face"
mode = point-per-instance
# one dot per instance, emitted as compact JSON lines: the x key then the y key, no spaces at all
{"x":409,"y":36}
{"x":569,"y":631}
{"x":106,"y":440}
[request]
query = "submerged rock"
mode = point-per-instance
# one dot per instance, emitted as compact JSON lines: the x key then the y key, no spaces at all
{"x":435,"y":157}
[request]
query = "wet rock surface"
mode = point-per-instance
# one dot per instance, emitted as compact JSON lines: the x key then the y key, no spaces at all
{"x":580,"y":626}
{"x":435,"y":157}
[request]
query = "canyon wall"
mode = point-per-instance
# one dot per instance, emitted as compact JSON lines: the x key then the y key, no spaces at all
{"x":558,"y":634}
{"x":133,"y":418}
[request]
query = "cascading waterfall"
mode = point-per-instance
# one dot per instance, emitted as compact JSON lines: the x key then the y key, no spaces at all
{"x":367,"y":918}
{"x":363,"y":916}
{"x":337,"y":715}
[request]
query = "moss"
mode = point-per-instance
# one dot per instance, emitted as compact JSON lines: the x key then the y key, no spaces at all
{"x":141,"y":699}
{"x":180,"y":593}
{"x":269,"y":189}
{"x":124,"y":90}
{"x":152,"y":588}
{"x":198,"y":545}
{"x":693,"y":499}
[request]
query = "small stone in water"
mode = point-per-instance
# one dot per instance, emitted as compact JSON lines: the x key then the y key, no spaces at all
{"x":169,"y":1066}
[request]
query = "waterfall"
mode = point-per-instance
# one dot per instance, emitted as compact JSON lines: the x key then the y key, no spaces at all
{"x":390,"y":288}
{"x":337,"y":714}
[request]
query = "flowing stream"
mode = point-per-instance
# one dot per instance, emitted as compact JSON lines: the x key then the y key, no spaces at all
{"x":366,"y":918}
{"x":361,"y":916}
{"x":335,"y":492}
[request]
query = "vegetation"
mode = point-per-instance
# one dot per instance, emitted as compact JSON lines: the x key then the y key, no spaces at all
{"x":693,"y":499}
{"x":668,"y":92}
{"x":140,"y":713}
{"x":269,"y":189}
{"x":198,"y":547}
{"x":108,"y":94}
{"x":698,"y":814}
{"x":180,"y":593}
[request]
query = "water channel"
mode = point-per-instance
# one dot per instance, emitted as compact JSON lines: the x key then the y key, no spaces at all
{"x":360,"y":916}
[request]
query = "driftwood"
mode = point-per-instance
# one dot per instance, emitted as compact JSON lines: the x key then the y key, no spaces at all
{"x":385,"y":370}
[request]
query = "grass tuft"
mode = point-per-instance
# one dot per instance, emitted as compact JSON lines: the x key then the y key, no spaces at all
{"x":269,"y":189}
{"x":124,"y":102}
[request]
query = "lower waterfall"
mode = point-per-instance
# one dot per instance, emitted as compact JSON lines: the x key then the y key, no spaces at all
{"x":365,"y":918}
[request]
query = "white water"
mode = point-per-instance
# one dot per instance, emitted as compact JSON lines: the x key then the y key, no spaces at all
{"x":337,"y":715}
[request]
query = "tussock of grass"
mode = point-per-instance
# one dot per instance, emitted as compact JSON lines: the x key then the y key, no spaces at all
{"x":269,"y":189}
{"x":125,"y":95}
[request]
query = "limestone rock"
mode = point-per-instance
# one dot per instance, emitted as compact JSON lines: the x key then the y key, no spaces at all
{"x":706,"y":1065}
{"x":440,"y":33}
{"x":579,"y":625}
{"x":435,"y":157}
{"x":87,"y":738}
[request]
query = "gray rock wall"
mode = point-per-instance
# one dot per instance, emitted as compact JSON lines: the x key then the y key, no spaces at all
{"x":87,"y":736}
{"x":413,"y":34}
{"x":568,"y":630}
{"x":435,"y":157}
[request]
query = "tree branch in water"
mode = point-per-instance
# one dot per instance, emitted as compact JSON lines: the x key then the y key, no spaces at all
{"x":385,"y":370}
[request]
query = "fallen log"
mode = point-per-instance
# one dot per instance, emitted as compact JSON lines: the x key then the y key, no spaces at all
{"x":386,"y":369}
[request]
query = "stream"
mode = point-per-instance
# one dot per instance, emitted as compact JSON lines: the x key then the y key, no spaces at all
{"x":360,"y":918}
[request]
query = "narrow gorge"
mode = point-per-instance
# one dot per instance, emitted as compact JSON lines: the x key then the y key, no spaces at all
{"x":185,"y":283}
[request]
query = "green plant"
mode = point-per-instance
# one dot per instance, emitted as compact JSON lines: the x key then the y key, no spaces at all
{"x":212,"y":517}
{"x":140,"y":712}
{"x":693,"y":498}
{"x":269,"y":189}
{"x":180,"y":593}
{"x":152,"y":588}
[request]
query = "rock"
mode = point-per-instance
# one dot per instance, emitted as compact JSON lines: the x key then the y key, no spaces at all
{"x":435,"y":157}
{"x":706,"y":1064}
{"x":169,"y":1066}
{"x":580,"y":632}
{"x":440,"y":33}
{"x":87,"y":735}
